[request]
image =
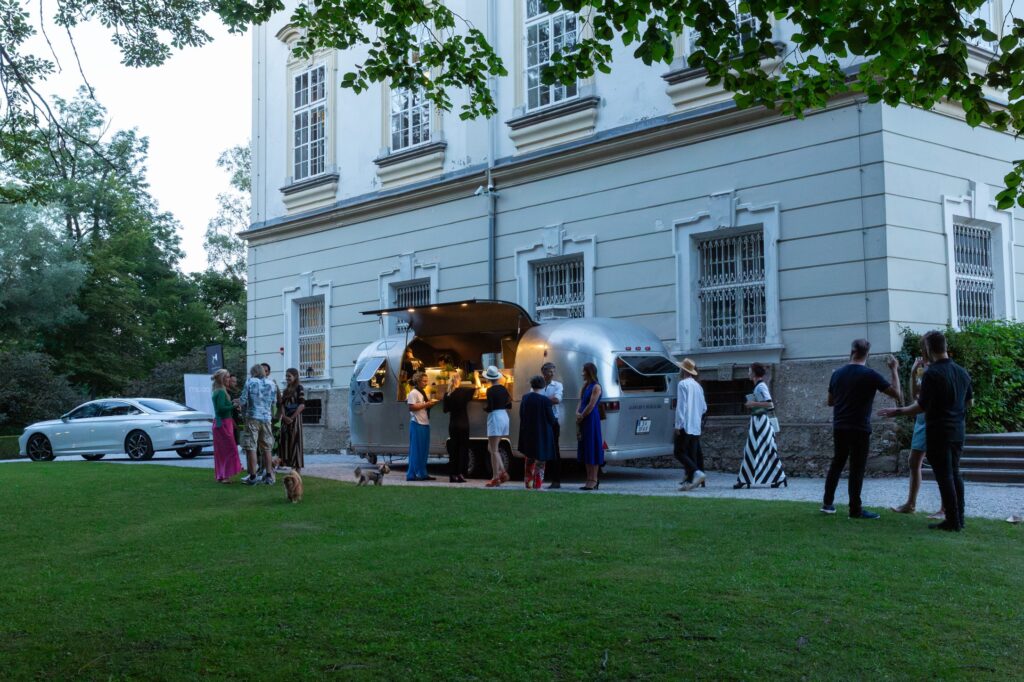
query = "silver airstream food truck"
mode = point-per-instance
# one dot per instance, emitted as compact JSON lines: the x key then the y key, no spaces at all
{"x":637,"y":376}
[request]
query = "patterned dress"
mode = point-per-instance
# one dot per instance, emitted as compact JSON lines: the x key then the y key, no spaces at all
{"x":761,"y":464}
{"x":290,"y":443}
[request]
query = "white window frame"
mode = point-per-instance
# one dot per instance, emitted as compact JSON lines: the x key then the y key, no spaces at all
{"x":412,"y":102}
{"x":554,"y":244}
{"x":557,"y":93}
{"x":305,"y":290}
{"x":743,"y":19}
{"x":978,"y":208}
{"x":309,"y":100}
{"x":422,"y":292}
{"x":992,"y":12}
{"x":724,"y":217}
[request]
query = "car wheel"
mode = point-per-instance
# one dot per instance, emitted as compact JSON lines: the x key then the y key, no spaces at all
{"x":93,"y":458}
{"x":189,"y":453}
{"x":138,"y":446}
{"x":39,"y":448}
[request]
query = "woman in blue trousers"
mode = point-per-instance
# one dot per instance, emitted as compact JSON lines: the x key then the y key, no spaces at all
{"x":419,"y":430}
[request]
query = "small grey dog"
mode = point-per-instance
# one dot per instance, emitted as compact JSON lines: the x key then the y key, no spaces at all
{"x":376,"y":476}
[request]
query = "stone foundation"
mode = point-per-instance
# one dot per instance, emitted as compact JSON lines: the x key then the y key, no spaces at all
{"x":331,"y":435}
{"x":800,"y":391}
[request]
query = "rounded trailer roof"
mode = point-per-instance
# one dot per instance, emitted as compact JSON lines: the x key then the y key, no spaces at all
{"x":596,"y":334}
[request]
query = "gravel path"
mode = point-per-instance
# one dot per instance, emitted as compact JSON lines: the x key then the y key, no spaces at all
{"x":983,"y":499}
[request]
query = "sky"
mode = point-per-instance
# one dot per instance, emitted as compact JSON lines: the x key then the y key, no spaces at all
{"x":192,"y":108}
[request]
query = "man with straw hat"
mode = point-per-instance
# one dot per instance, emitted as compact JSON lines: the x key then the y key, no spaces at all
{"x":690,"y":408}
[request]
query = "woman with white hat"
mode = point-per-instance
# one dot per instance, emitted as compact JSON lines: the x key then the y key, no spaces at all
{"x":499,"y":403}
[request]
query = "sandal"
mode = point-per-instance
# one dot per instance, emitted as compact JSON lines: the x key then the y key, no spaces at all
{"x":503,"y":478}
{"x":939,"y":515}
{"x":493,"y":483}
{"x":903,"y":509}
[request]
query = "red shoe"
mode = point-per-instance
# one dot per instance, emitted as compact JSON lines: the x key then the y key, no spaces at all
{"x":503,"y":478}
{"x":493,"y":483}
{"x":538,"y":480}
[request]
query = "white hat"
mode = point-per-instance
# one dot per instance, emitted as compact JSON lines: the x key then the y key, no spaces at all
{"x":492,"y":374}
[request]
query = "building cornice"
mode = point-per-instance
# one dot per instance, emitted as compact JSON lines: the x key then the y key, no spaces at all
{"x":637,"y":139}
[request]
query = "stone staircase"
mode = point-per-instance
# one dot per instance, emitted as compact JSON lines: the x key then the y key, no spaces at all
{"x":991,"y":458}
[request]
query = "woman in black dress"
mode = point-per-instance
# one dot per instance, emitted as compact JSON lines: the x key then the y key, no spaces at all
{"x":536,"y":432}
{"x":456,"y":402}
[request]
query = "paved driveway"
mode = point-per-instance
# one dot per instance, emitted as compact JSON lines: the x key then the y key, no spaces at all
{"x":983,"y":499}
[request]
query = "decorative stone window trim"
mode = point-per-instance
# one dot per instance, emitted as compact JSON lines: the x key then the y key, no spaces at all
{"x":687,"y":86}
{"x":978,"y":207}
{"x":725,"y":214}
{"x":422,"y":162}
{"x":556,"y":124}
{"x":555,"y":243}
{"x":409,"y":269}
{"x":306,"y":288}
{"x":310,"y":192}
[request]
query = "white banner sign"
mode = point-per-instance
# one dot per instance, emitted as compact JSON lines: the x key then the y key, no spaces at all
{"x":198,"y":392}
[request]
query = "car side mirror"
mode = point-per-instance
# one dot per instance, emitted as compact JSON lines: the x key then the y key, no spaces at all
{"x":64,"y":418}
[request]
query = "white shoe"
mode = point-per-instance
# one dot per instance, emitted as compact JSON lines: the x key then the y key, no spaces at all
{"x":698,"y":478}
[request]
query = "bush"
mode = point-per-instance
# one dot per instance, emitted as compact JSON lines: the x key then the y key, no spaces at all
{"x":8,"y":447}
{"x":31,"y":391}
{"x":993,"y":353}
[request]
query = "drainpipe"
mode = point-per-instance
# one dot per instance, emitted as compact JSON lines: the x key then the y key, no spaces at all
{"x":492,"y":145}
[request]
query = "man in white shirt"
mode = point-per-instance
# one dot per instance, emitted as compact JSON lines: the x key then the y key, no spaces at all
{"x":690,"y":408}
{"x":553,"y":390}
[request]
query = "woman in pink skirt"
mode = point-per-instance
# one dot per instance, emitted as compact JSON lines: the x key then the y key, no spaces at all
{"x":225,"y":452}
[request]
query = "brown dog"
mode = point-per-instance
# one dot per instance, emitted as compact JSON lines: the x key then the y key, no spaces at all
{"x":293,"y":486}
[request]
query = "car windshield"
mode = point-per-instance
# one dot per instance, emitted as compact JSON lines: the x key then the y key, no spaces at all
{"x":158,"y":405}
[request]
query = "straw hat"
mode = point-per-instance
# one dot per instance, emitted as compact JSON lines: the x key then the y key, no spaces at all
{"x":689,"y":367}
{"x":492,"y":374}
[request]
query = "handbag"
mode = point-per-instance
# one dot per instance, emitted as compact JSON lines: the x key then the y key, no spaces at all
{"x":773,"y":421}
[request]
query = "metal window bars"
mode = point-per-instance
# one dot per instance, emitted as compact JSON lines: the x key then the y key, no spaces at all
{"x":410,"y":295}
{"x":975,"y":276}
{"x":559,"y":288}
{"x":312,"y":338}
{"x":731,"y":291}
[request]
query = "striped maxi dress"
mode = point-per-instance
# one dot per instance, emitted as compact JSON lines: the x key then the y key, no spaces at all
{"x":761,"y":464}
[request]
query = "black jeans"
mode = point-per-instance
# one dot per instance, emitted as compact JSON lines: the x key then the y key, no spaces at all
{"x":553,"y":469}
{"x":458,"y":452}
{"x":944,"y":457}
{"x":852,"y":446}
{"x":686,"y":449}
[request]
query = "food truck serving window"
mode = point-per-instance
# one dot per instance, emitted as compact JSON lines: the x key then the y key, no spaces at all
{"x":644,"y":372}
{"x":370,"y":368}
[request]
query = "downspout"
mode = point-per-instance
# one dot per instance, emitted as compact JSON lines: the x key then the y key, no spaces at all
{"x":492,"y":144}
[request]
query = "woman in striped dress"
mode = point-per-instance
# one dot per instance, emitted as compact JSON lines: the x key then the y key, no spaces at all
{"x":761,"y":464}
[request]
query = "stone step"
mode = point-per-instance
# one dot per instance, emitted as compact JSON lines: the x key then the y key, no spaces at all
{"x":991,"y":462}
{"x":993,"y":451}
{"x":1012,"y":476}
{"x":997,"y":439}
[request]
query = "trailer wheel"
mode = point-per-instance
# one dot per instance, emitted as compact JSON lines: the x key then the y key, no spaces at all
{"x":371,"y":459}
{"x":478,"y":463}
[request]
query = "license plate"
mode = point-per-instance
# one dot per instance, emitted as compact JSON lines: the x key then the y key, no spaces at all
{"x":643,"y":425}
{"x":201,"y":435}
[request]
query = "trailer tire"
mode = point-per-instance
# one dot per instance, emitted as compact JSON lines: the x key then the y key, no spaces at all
{"x":478,"y":462}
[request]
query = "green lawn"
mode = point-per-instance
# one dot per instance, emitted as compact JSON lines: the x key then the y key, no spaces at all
{"x":147,"y":572}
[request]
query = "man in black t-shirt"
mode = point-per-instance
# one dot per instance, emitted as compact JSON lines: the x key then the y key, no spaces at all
{"x":851,"y":391}
{"x":945,"y":397}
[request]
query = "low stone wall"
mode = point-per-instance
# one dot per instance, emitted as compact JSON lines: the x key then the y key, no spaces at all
{"x":331,"y":435}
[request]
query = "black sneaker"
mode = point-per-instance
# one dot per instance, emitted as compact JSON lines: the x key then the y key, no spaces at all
{"x":828,"y":509}
{"x":865,"y":514}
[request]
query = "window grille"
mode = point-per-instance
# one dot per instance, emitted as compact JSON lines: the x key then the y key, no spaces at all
{"x":547,"y":34}
{"x":309,"y":122}
{"x":975,"y":277}
{"x":313,"y":412}
{"x":559,"y":288}
{"x":411,"y":295}
{"x":731,"y":286}
{"x":312,"y":338}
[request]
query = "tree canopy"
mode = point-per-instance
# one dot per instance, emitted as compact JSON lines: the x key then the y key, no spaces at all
{"x":892,"y":51}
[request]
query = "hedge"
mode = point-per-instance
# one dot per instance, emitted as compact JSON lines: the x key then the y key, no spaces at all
{"x":8,"y":447}
{"x":993,"y":353}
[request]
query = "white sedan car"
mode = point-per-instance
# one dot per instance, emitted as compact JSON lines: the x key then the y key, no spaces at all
{"x":136,"y":426}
